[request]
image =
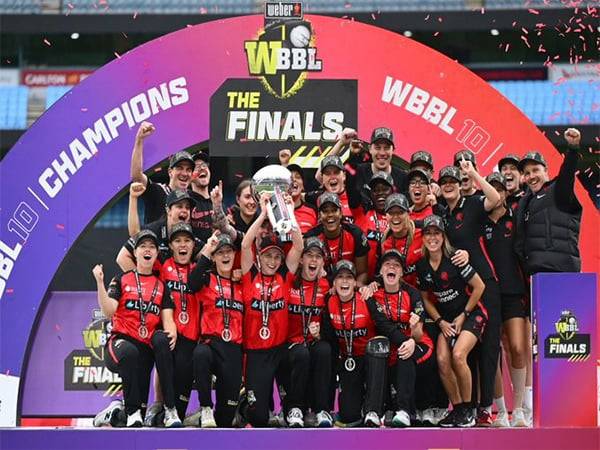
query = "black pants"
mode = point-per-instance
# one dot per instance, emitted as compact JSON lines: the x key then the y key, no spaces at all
{"x":261,"y":366}
{"x":430,"y":392}
{"x":403,"y":376}
{"x":224,"y":360}
{"x":133,"y":361}
{"x":363,"y":386}
{"x":310,"y":372}
{"x":184,"y":373}
{"x":490,"y":343}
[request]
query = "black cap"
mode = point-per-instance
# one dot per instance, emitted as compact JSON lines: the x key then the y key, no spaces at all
{"x":332,"y":160}
{"x":433,"y":221}
{"x":393,"y":254}
{"x":419,"y":173}
{"x":381,"y":176}
{"x":396,"y":199}
{"x":449,"y":171}
{"x":535,"y":157}
{"x":181,"y":227}
{"x":510,"y":158}
{"x":180,"y":157}
{"x":382,"y":133}
{"x":467,"y":155}
{"x":496,"y":177}
{"x":328,"y":197}
{"x":314,"y":242}
{"x":201,"y":156}
{"x":296,"y":168}
{"x":421,"y":157}
{"x":176,"y":196}
{"x":344,"y":264}
{"x":269,"y":242}
{"x":224,"y":241}
{"x":144,"y":235}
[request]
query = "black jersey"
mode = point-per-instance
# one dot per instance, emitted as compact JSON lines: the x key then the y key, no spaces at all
{"x":499,"y":237}
{"x":448,"y":284}
{"x":155,"y":199}
{"x":202,"y":216}
{"x":465,"y":227}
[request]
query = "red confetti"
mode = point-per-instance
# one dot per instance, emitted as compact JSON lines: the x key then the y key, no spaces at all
{"x":117,"y":55}
{"x":347,"y":5}
{"x":541,"y":49}
{"x":57,"y":327}
{"x":239,"y":175}
{"x":373,"y":16}
{"x":47,"y":42}
{"x":135,"y":15}
{"x":440,"y":19}
{"x":556,"y":133}
{"x":482,"y":10}
{"x":427,"y":17}
{"x":514,"y":23}
{"x":533,"y":11}
{"x":157,"y":169}
{"x":524,"y":30}
{"x":524,"y":39}
{"x":60,"y":226}
{"x":203,"y":11}
{"x":10,"y":290}
{"x":437,"y":33}
{"x":70,"y":6}
{"x":506,"y":48}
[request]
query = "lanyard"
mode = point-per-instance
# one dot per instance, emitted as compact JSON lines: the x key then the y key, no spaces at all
{"x":139,"y":291}
{"x":348,"y":339}
{"x":265,"y":302}
{"x":306,"y":321}
{"x":404,"y":250}
{"x":388,"y":308}
{"x":181,"y":287}
{"x":340,"y":252}
{"x":226,"y":313}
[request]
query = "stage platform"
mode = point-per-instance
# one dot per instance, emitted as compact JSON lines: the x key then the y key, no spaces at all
{"x":26,"y":438}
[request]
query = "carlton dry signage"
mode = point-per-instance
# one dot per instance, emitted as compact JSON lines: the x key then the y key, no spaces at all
{"x":251,"y":85}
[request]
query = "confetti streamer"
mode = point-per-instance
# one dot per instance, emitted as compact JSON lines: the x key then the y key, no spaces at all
{"x":524,"y":39}
{"x":47,"y":42}
{"x":533,"y":11}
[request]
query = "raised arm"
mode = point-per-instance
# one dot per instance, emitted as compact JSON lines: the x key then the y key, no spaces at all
{"x":220,"y":220}
{"x":137,"y":156}
{"x":565,"y":182}
{"x":247,"y":255}
{"x":133,"y":218}
{"x":348,"y":134}
{"x":492,"y":198}
{"x":107,"y":304}
{"x":125,"y":260}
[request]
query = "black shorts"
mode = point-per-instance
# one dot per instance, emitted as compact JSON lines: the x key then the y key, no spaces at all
{"x":475,"y":323}
{"x":514,"y":306}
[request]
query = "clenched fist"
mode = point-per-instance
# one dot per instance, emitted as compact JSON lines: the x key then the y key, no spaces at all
{"x":573,"y":137}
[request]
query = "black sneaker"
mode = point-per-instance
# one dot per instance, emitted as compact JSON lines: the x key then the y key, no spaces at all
{"x":450,"y":420}
{"x":465,"y":418}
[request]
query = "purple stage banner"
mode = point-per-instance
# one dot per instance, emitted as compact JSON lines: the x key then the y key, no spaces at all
{"x":565,"y":327}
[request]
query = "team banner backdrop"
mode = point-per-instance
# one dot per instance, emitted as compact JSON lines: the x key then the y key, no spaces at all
{"x":76,"y":157}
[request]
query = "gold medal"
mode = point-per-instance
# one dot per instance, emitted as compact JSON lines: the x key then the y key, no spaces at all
{"x":264,"y":333}
{"x":143,"y":331}
{"x":226,"y":335}
{"x":184,"y":317}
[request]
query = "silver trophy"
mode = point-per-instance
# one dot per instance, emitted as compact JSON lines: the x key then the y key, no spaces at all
{"x":276,"y":180}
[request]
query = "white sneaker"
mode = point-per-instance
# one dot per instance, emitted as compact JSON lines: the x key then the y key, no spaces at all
{"x":518,"y":418}
{"x":172,"y":418}
{"x":501,"y":420}
{"x":439,"y":414}
{"x":295,"y":418}
{"x":135,"y":420}
{"x":401,"y":419}
{"x":103,"y":418}
{"x":193,"y":420}
{"x":428,"y":417}
{"x":324,"y":419}
{"x":207,"y":418}
{"x":372,"y":420}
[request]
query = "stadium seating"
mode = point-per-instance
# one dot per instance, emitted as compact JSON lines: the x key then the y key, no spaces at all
{"x":53,"y":93}
{"x":13,"y":107}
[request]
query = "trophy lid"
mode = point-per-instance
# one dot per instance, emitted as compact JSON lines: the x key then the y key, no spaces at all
{"x":270,"y":176}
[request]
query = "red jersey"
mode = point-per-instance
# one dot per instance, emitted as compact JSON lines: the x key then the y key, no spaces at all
{"x":347,"y":212}
{"x":127,"y":319}
{"x":362,"y":326}
{"x":392,"y":315}
{"x":421,"y":214}
{"x":412,"y":253}
{"x":305,"y":305}
{"x":350,"y":243}
{"x":373,"y":225}
{"x":177,"y":278}
{"x":306,"y":216}
{"x":265,"y":309}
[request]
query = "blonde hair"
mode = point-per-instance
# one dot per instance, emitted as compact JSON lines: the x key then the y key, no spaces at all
{"x":411,"y":231}
{"x":447,"y":249}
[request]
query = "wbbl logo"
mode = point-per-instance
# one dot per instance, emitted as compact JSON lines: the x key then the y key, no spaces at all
{"x":284,"y":51}
{"x":567,"y":343}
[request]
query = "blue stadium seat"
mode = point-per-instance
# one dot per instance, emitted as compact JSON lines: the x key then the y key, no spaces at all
{"x":53,"y":93}
{"x":13,"y":107}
